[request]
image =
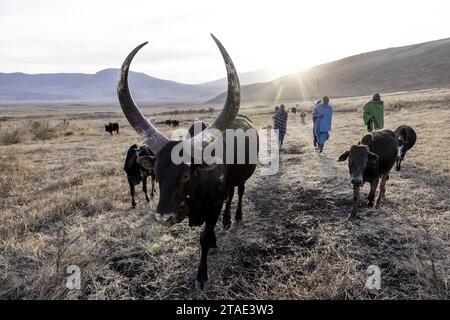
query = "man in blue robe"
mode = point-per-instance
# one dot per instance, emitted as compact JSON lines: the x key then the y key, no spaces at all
{"x":322,"y":116}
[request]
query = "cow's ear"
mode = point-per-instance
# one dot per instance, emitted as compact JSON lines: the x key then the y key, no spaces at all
{"x":343,"y":156}
{"x":147,"y":162}
{"x":367,"y":139}
{"x":372,"y":157}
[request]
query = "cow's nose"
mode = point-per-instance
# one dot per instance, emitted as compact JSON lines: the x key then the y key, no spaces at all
{"x":166,"y":220}
{"x":357,"y":181}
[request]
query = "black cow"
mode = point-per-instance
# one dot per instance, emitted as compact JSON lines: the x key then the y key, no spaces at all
{"x":369,"y":161}
{"x":111,"y":127}
{"x":407,"y":138}
{"x":137,"y":173}
{"x":192,"y":190}
{"x":173,"y":123}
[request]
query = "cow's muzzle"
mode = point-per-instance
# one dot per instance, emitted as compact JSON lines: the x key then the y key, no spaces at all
{"x":357,"y":181}
{"x":166,"y":220}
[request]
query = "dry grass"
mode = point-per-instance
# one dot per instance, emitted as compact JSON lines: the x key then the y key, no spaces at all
{"x":33,"y":130}
{"x":65,"y":201}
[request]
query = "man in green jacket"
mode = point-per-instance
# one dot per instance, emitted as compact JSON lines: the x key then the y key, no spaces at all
{"x":373,"y":113}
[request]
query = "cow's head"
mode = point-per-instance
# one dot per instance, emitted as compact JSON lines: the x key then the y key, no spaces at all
{"x":176,"y":180}
{"x":359,"y":158}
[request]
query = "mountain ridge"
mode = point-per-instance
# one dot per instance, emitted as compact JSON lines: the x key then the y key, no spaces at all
{"x":413,"y":67}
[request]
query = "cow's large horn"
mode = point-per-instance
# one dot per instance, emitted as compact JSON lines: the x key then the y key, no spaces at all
{"x":155,"y":139}
{"x":231,"y":107}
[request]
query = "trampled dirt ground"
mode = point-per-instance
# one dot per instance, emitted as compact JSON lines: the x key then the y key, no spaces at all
{"x":65,"y":201}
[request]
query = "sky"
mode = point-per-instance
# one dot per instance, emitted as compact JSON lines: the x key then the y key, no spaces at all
{"x":86,"y":36}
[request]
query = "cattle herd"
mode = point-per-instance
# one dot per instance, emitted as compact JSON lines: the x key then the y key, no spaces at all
{"x":198,"y":191}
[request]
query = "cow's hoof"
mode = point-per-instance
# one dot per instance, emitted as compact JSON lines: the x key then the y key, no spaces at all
{"x":202,"y":285}
{"x":351,"y":216}
{"x":226,"y":225}
{"x":133,"y":206}
{"x":212,"y":250}
{"x":370,"y":204}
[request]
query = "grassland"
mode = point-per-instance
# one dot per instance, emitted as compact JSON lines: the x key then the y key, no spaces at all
{"x":64,"y":200}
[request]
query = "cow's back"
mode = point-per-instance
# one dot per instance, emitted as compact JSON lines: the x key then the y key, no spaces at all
{"x":385,"y":145}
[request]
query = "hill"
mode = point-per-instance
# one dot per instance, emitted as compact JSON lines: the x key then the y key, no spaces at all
{"x":419,"y":66}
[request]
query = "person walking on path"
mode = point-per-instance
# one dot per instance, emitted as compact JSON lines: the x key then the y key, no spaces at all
{"x":322,"y":116}
{"x":373,"y":113}
{"x":314,"y":125}
{"x":302,"y":117}
{"x":280,"y":123}
{"x":273,"y":117}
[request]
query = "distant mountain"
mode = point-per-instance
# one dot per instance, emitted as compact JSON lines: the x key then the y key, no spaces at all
{"x":101,"y":87}
{"x":245,"y":78}
{"x":420,"y":66}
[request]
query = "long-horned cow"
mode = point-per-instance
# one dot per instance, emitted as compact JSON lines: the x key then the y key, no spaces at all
{"x":195,"y":189}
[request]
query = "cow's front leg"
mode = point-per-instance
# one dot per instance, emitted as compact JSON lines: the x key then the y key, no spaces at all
{"x":212,"y":244}
{"x":131,"y":183}
{"x":398,"y":166}
{"x":201,"y":283}
{"x":373,"y":189}
{"x":226,"y":220}
{"x":207,"y":240}
{"x":241,"y":190}
{"x":384,"y":178}
{"x":153,"y":186}
{"x":144,"y":187}
{"x":355,"y":202}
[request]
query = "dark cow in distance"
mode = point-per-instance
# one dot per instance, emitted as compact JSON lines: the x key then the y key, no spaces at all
{"x":137,"y":173}
{"x":173,"y":123}
{"x":371,"y":161}
{"x":407,"y":138}
{"x":111,"y":127}
{"x":193,"y":189}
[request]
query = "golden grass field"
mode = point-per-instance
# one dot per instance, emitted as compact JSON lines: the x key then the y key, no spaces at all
{"x":64,"y":200}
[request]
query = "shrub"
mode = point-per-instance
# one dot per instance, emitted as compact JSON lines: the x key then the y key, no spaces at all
{"x":17,"y":134}
{"x":36,"y":130}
